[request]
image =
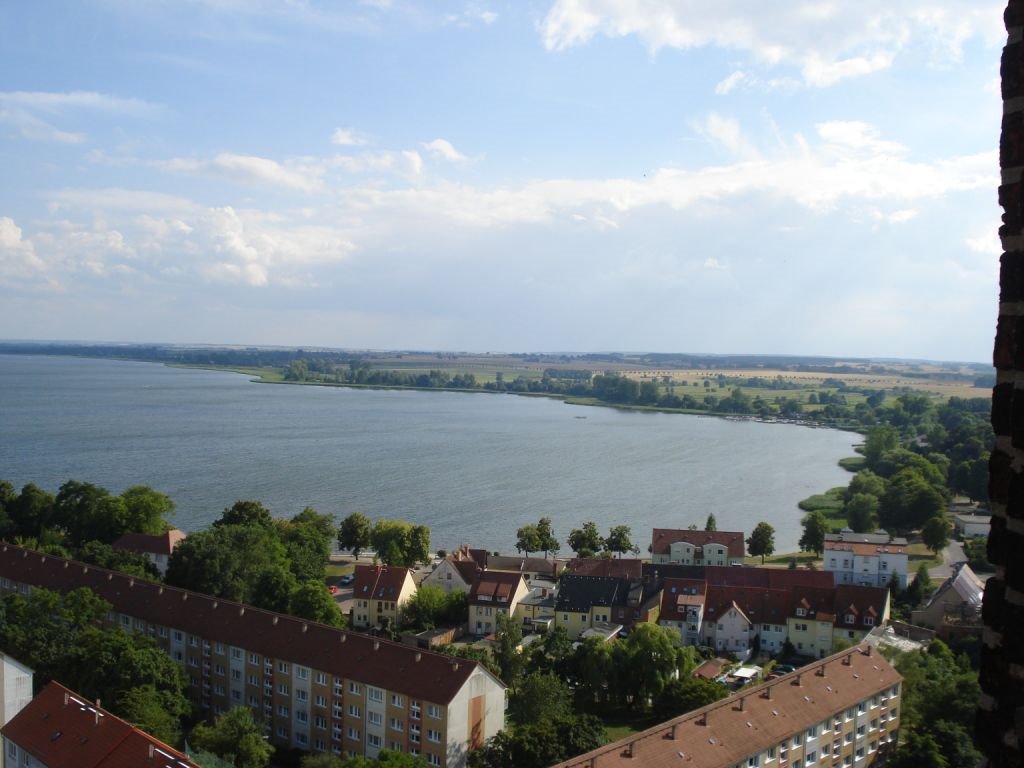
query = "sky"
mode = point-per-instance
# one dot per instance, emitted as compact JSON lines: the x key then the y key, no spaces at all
{"x":774,"y":177}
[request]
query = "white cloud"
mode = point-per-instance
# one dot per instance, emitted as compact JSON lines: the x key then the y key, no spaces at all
{"x":727,"y":133}
{"x":413,"y":161}
{"x":443,"y":149}
{"x":250,"y":169}
{"x":470,"y":14}
{"x":728,"y":85}
{"x":22,"y":109}
{"x":19,"y":264}
{"x":826,"y":42}
{"x":986,"y":242}
{"x":346,"y":137}
{"x":714,"y":264}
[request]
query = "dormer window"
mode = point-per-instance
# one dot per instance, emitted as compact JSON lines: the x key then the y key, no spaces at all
{"x":850,"y":618}
{"x":801,"y":612}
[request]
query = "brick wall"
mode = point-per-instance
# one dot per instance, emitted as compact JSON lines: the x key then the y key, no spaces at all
{"x":1000,"y":720}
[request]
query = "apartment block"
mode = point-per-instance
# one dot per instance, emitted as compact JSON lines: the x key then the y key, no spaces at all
{"x":840,"y":712}
{"x":868,"y":559}
{"x":316,"y":688}
{"x":60,"y":729}
{"x":686,"y":547}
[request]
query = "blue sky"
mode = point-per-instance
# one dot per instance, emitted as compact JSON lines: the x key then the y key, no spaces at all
{"x":558,"y":175}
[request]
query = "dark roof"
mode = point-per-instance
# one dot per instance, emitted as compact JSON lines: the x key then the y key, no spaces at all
{"x":396,"y":667}
{"x":678,"y":594}
{"x":468,"y":569}
{"x":768,"y":578}
{"x":859,"y":602}
{"x":523,"y":565}
{"x":379,"y":582}
{"x":626,"y":567}
{"x":160,"y":544}
{"x":580,"y":593}
{"x":759,"y":605}
{"x":663,"y":538}
{"x":60,"y":728}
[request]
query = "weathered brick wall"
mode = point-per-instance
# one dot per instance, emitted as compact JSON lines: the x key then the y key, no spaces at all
{"x":1000,"y":721}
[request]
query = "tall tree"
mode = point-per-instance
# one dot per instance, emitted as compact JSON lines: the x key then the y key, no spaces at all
{"x":528,"y":539}
{"x":507,"y":654}
{"x":862,"y":512}
{"x":147,"y":510}
{"x":711,"y":524}
{"x":246,"y":512}
{"x":354,"y":533}
{"x":935,"y":533}
{"x":548,"y":542}
{"x":585,"y":541}
{"x":236,"y":736}
{"x":312,"y":601}
{"x":619,"y":541}
{"x":761,"y":541}
{"x":815,"y":527}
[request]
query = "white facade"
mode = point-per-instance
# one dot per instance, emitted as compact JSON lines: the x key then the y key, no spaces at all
{"x":865,"y":559}
{"x":15,"y":687}
{"x":489,"y":705}
{"x":447,"y":577}
{"x":730,"y":632}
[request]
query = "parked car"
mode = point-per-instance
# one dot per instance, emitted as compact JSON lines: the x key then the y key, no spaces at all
{"x":347,"y":579}
{"x":332,"y":589}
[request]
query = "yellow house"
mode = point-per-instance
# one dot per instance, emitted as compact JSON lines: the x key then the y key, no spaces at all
{"x":584,"y":601}
{"x":378,"y":594}
{"x":494,"y":593}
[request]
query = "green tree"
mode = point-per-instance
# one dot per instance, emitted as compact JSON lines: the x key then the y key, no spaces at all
{"x":393,"y":540}
{"x":546,"y":536}
{"x":815,"y":527}
{"x":647,"y":660}
{"x":585,"y":541}
{"x":507,"y":655}
{"x":236,"y":737}
{"x":528,"y":539}
{"x":246,"y":512}
{"x":75,"y":510}
{"x":425,"y":609}
{"x":866,"y":482}
{"x":105,"y":556}
{"x":32,"y":511}
{"x":935,"y":533}
{"x":312,"y":601}
{"x":761,"y":541}
{"x":909,"y":501}
{"x":879,"y":440}
{"x":354,"y":533}
{"x":147,"y":510}
{"x":685,"y":695}
{"x":540,"y":696}
{"x":154,"y":711}
{"x":619,"y":541}
{"x":862,"y":512}
{"x":419,"y":544}
{"x":711,"y":524}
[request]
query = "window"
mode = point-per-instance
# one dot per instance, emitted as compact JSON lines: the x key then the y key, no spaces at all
{"x":321,"y":701}
{"x":433,"y":736}
{"x":771,"y":754}
{"x":193,"y":641}
{"x":218,"y":669}
{"x":874,"y":725}
{"x":353,"y":711}
{"x":414,"y":709}
{"x":374,"y":694}
{"x":397,"y":700}
{"x":353,"y":733}
{"x":300,"y":738}
{"x":236,"y":674}
{"x":301,"y":695}
{"x":302,"y":672}
{"x":801,"y":612}
{"x":354,"y":688}
{"x":373,"y":740}
{"x":253,"y":680}
{"x":374,"y":718}
{"x":254,"y":658}
{"x":321,"y":678}
{"x":396,"y":724}
{"x":796,"y":740}
{"x":811,"y":758}
{"x":282,"y":710}
{"x":282,"y":689}
{"x":869,"y":621}
{"x":433,"y":711}
{"x":433,"y":759}
{"x":812,"y":732}
{"x":282,"y":667}
{"x":861,"y":730}
{"x":320,"y":722}
{"x":178,"y":636}
{"x":414,"y":733}
{"x":753,"y":761}
{"x":302,"y":716}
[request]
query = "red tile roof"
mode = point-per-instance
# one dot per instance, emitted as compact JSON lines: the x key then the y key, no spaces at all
{"x":379,"y":582}
{"x":493,"y":587}
{"x":678,"y":594}
{"x":63,"y":730}
{"x":663,"y":538}
{"x":396,"y":667}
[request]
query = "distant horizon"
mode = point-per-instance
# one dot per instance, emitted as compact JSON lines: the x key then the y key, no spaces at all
{"x":427,"y":351}
{"x":485,"y":174}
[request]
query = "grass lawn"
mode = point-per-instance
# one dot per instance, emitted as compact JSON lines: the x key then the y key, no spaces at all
{"x":333,"y":571}
{"x":619,"y":725}
{"x":803,"y":559}
{"x":918,"y":553}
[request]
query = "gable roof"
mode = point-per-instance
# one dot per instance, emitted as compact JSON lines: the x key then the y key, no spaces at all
{"x":351,"y":655}
{"x":621,"y":568}
{"x":379,"y":582}
{"x":495,"y":587}
{"x":965,"y":584}
{"x":159,"y":544}
{"x":662,"y":540}
{"x":732,"y":729}
{"x":581,"y":593}
{"x":60,"y":728}
{"x":680,"y":594}
{"x":758,"y":605}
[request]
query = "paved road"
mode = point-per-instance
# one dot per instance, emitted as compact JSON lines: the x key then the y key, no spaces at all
{"x":951,"y":555}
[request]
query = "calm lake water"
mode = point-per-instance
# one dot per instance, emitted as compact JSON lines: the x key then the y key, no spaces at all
{"x":473,"y":467}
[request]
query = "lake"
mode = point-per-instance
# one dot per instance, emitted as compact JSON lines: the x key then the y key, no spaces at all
{"x":472,"y":467}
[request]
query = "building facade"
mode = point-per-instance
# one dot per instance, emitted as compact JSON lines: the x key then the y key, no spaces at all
{"x":842,"y":711}
{"x":494,"y":593}
{"x":868,"y":559}
{"x":378,"y":594}
{"x":316,"y":688}
{"x":686,"y":547}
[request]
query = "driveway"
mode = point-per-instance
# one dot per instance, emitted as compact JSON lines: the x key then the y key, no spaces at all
{"x":951,"y":555}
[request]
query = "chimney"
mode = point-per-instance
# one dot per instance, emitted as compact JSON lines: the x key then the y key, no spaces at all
{"x":821,"y":671}
{"x":376,"y":645}
{"x":868,"y":652}
{"x":215,"y":604}
{"x":798,"y":680}
{"x":848,"y":660}
{"x":241,"y":611}
{"x":151,"y":751}
{"x":160,"y":590}
{"x":741,"y":702}
{"x":455,"y":666}
{"x":418,"y":656}
{"x":184,"y":596}
{"x":343,"y":637}
{"x":65,"y":698}
{"x":131,"y":582}
{"x":274,"y":621}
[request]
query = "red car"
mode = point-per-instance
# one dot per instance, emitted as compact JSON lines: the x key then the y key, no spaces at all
{"x":332,"y":589}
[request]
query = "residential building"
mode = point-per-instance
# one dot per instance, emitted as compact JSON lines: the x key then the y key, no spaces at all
{"x":158,"y":549}
{"x":618,"y":567}
{"x":584,"y":601}
{"x":743,"y":611}
{"x":378,"y":594}
{"x":972,"y":526}
{"x":60,"y":729}
{"x":15,"y":687}
{"x":494,"y":593}
{"x":955,"y":605}
{"x":317,"y":688}
{"x":453,"y":575}
{"x":686,"y":547}
{"x":840,"y":711}
{"x":869,"y":559}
